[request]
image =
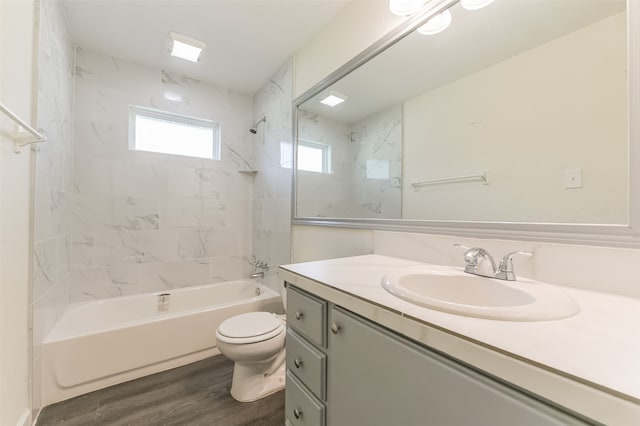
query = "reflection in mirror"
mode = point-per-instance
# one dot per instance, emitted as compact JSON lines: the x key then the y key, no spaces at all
{"x":534,"y":93}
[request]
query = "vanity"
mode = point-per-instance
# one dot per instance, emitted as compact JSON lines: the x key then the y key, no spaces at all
{"x":519,"y":122}
{"x":357,"y":355}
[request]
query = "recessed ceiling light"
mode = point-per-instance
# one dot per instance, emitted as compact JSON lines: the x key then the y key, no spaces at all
{"x":185,"y":47}
{"x":405,"y":7}
{"x":475,"y":4}
{"x":437,"y":24}
{"x":334,"y":98}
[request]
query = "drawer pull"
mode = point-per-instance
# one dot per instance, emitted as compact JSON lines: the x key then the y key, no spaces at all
{"x":297,"y":362}
{"x":299,"y":315}
{"x":335,"y":328}
{"x":297,"y":413}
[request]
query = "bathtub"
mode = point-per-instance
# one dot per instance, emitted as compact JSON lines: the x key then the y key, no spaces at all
{"x":101,"y":343}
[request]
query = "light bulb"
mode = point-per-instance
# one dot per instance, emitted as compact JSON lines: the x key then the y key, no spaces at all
{"x":436,"y":24}
{"x":405,"y":7}
{"x":475,"y":4}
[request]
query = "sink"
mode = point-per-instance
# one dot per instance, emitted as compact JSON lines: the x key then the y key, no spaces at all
{"x":454,"y":291}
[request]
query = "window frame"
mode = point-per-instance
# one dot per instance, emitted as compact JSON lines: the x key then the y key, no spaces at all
{"x":142,"y":111}
{"x":326,"y":155}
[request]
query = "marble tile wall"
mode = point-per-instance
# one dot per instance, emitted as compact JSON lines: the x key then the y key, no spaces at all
{"x":53,"y":174}
{"x":325,"y":194}
{"x":145,"y":221}
{"x":272,"y":185}
{"x":365,"y":179}
{"x":376,"y":175}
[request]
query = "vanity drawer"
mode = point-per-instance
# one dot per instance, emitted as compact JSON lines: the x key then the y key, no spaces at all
{"x":302,"y":408}
{"x":307,"y":315}
{"x":307,"y":363}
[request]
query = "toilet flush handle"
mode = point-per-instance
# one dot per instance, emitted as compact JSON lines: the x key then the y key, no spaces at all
{"x":299,"y":315}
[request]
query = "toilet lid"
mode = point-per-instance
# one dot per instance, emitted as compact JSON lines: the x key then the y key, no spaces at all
{"x":251,"y":324}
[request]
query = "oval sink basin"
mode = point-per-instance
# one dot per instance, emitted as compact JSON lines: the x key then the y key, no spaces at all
{"x":454,"y":291}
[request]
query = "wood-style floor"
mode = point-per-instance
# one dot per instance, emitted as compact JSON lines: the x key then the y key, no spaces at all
{"x":196,"y":394}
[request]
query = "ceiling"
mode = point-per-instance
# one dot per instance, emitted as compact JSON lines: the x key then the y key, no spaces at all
{"x":247,"y":40}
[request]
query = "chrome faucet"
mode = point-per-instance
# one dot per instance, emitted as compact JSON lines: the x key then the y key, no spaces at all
{"x":258,"y":267}
{"x":475,"y":258}
{"x":505,"y":269}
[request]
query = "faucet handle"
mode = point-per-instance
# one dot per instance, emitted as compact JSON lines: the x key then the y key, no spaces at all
{"x":505,"y":268}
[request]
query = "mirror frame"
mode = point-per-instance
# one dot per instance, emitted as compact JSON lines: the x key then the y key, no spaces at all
{"x":626,"y":235}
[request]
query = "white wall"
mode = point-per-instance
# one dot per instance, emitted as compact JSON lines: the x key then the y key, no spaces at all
{"x":526,"y":120}
{"x":18,"y":43}
{"x":145,"y":221}
{"x":355,"y":28}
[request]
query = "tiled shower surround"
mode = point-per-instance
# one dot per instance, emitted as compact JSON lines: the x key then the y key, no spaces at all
{"x":272,"y":186}
{"x":145,"y":221}
{"x":53,"y":181}
{"x":365,"y":176}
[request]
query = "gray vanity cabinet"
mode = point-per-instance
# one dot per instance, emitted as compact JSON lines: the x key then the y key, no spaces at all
{"x":367,"y":375}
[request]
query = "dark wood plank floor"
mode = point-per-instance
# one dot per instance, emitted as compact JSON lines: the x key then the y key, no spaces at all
{"x":196,"y":394}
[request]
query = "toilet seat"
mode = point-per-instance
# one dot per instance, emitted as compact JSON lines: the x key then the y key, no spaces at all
{"x":251,"y":327}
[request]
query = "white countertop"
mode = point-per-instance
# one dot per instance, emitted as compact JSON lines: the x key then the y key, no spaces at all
{"x":589,"y":362}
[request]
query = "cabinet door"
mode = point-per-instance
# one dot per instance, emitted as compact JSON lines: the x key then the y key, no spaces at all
{"x":378,"y":378}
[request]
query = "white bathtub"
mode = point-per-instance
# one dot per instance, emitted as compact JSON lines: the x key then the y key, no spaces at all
{"x":101,"y":343}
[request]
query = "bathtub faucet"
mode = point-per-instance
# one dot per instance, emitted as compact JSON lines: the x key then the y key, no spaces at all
{"x":258,"y":264}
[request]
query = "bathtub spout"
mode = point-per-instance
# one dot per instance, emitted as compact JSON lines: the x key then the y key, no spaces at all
{"x":276,"y":364}
{"x":257,"y":275}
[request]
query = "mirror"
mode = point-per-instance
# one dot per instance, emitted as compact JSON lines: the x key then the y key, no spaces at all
{"x":517,"y":114}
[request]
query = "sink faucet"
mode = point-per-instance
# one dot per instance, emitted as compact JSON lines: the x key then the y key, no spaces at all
{"x":476,"y":258}
{"x":505,"y":269}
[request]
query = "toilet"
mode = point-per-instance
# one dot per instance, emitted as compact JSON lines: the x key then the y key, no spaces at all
{"x":255,"y":342}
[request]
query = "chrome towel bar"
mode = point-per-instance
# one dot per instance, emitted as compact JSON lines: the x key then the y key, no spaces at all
{"x":39,"y":137}
{"x":483,"y":177}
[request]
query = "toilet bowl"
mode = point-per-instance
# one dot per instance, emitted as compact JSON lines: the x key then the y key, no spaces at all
{"x":255,"y":342}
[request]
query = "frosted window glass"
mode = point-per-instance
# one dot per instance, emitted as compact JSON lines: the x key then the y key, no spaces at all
{"x":167,"y":133}
{"x":312,"y":156}
{"x":310,"y":159}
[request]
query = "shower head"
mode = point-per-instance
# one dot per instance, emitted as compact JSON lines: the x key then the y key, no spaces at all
{"x":254,"y":128}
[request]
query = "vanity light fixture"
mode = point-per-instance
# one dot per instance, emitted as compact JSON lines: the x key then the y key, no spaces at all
{"x":185,"y":47}
{"x":405,"y":7}
{"x":475,"y":4}
{"x":334,"y":98}
{"x":437,"y":24}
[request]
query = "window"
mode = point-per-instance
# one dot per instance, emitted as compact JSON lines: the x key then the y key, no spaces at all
{"x":312,"y":156}
{"x":164,"y":132}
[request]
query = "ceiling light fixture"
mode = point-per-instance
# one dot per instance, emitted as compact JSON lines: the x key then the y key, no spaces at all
{"x":405,"y":7}
{"x":185,"y":47}
{"x":437,"y":24}
{"x":475,"y":4}
{"x":334,"y":98}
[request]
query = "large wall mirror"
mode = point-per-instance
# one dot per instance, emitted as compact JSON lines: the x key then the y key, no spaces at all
{"x":512,"y":122}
